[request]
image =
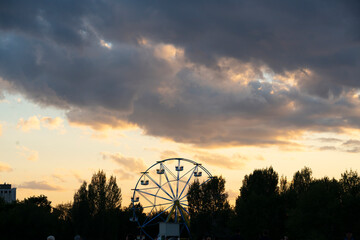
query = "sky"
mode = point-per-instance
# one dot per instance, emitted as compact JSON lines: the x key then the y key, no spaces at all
{"x":118,"y":85}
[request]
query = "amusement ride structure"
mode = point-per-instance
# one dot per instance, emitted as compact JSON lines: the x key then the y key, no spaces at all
{"x":160,"y":197}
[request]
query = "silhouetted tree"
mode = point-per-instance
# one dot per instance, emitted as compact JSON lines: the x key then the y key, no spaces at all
{"x":258,"y":207}
{"x":317,"y":211}
{"x":209,"y":208}
{"x":350,"y":202}
{"x":28,"y":219}
{"x":301,"y":181}
{"x":96,"y":209}
{"x":306,"y":208}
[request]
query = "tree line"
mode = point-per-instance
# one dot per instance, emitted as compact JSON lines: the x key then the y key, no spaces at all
{"x":268,"y":207}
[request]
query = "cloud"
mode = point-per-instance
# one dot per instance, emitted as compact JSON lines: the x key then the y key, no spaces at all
{"x":331,"y":140}
{"x":59,"y":177}
{"x":4,"y":167}
{"x":29,"y":124}
{"x":105,"y":44}
{"x":128,"y":164}
{"x":351,"y":146}
{"x":237,"y":161}
{"x":98,"y":118}
{"x":124,"y":175}
{"x":168,"y":154}
{"x":353,"y":150}
{"x":40,"y":185}
{"x":327,"y":148}
{"x":35,"y":123}
{"x":28,"y":153}
{"x":52,"y":123}
{"x":235,"y":74}
{"x":352,"y":142}
{"x":78,"y":177}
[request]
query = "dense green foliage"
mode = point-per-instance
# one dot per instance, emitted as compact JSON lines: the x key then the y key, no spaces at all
{"x":303,"y":208}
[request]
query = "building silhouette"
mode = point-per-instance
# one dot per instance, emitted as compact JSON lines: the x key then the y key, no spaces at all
{"x":7,"y":193}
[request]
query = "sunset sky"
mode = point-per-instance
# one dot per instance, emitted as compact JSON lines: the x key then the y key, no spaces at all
{"x":119,"y":85}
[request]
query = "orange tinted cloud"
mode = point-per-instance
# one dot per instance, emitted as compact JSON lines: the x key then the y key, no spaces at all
{"x":52,"y":123}
{"x":28,"y":153}
{"x":4,"y":167}
{"x":35,"y":123}
{"x":40,"y":185}
{"x":236,"y":161}
{"x":29,"y":124}
{"x":168,"y":154}
{"x":130,"y":163}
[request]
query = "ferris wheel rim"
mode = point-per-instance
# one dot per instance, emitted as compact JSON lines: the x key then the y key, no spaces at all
{"x":170,"y":201}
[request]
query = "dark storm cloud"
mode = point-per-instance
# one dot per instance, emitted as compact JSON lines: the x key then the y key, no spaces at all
{"x":101,"y":61}
{"x":285,"y":35}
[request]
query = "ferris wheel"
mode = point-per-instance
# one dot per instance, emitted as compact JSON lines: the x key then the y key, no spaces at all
{"x":161,"y":193}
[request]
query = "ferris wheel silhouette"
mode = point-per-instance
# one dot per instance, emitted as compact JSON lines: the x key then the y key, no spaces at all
{"x":161,"y":192}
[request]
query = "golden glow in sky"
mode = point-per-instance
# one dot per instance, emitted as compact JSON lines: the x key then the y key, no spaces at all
{"x":42,"y":154}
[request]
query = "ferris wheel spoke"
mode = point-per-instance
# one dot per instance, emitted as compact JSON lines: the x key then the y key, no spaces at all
{"x":186,"y":211}
{"x":172,"y":174}
{"x":176,"y":215}
{"x":146,"y":223}
{"x":138,"y":190}
{"x":200,"y":185}
{"x":187,"y":172}
{"x":167,"y":179}
{"x":147,"y":234}
{"x":152,"y":203}
{"x":187,"y":182}
{"x":150,"y":188}
{"x":184,"y":204}
{"x":157,"y":205}
{"x":168,"y":182}
{"x":177,"y":180}
{"x":149,"y":214}
{"x":159,"y":186}
{"x":186,"y":221}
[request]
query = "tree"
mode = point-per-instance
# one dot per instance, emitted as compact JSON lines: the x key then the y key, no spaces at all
{"x":31,"y":218}
{"x":350,"y":182}
{"x":301,"y":180}
{"x":103,"y":195}
{"x":96,"y":207}
{"x":350,"y":202}
{"x":261,"y":181}
{"x":317,"y":211}
{"x":208,"y":207}
{"x":258,"y":206}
